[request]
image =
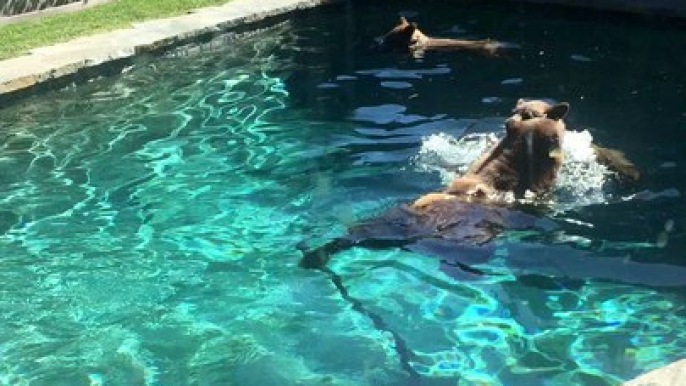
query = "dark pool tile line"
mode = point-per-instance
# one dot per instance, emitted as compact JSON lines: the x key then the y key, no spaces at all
{"x":103,"y":54}
{"x":663,"y":8}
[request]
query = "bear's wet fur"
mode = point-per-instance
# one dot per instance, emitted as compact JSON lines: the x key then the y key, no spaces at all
{"x":406,"y":36}
{"x":529,"y":157}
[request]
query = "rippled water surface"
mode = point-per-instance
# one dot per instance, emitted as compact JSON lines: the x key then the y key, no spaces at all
{"x":149,"y":221}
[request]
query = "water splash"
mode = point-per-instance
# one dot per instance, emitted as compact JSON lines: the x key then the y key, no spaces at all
{"x":582,"y":180}
{"x":450,"y":156}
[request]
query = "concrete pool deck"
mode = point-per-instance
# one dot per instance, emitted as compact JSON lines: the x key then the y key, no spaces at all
{"x":670,"y":375}
{"x":47,"y":64}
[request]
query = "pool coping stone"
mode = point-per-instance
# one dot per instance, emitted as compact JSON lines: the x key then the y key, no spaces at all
{"x":673,"y":374}
{"x":61,"y":61}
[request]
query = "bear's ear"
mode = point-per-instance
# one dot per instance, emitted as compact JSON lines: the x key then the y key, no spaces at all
{"x":519,"y":104}
{"x":558,"y":111}
{"x":402,"y":21}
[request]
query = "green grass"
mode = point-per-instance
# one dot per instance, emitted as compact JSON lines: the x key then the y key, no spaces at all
{"x":16,"y":39}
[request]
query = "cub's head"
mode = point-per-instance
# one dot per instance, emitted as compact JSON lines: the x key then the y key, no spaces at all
{"x":533,"y":144}
{"x":403,"y":36}
{"x":536,"y":108}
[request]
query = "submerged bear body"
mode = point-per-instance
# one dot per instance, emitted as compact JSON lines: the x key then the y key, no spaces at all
{"x":459,"y":232}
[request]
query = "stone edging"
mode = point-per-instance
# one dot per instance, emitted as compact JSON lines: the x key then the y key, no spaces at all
{"x":673,"y":374}
{"x":83,"y":55}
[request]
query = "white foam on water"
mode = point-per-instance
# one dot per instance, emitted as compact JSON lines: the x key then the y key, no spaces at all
{"x":581,"y":182}
{"x":450,"y":156}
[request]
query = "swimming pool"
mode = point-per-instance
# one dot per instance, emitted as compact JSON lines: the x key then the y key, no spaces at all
{"x":149,"y":221}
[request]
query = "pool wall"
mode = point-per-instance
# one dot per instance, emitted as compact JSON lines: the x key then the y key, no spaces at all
{"x":669,"y":8}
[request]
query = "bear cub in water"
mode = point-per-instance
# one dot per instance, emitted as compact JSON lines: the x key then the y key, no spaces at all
{"x":406,"y":36}
{"x":613,"y":159}
{"x":527,"y":159}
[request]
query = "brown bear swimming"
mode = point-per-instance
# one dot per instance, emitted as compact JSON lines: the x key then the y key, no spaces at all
{"x":527,"y":159}
{"x":613,"y":159}
{"x":460,"y":222}
{"x":406,"y":36}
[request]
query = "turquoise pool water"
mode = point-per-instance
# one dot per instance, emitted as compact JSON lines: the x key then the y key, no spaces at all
{"x":149,"y":222}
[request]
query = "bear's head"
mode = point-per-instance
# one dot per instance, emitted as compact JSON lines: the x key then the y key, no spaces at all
{"x":402,"y":37}
{"x":536,"y":108}
{"x":530,"y":156}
